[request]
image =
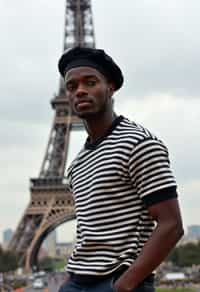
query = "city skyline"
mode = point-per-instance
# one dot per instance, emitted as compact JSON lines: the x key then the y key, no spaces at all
{"x":157,"y":46}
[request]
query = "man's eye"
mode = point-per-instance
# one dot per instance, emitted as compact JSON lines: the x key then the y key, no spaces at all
{"x":70,"y":87}
{"x":91,"y":82}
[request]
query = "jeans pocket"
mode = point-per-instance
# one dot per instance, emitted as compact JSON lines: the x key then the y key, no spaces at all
{"x":69,"y":286}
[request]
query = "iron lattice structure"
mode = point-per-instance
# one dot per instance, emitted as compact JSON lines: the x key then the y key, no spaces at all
{"x":51,"y":202}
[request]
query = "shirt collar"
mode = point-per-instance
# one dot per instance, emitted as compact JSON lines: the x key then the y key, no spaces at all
{"x":92,"y":145}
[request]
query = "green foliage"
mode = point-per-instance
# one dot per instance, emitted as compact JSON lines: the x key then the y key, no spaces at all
{"x":60,"y":264}
{"x":18,"y":284}
{"x":8,"y":261}
{"x":51,"y":264}
{"x":47,"y":264}
{"x":186,"y":255}
{"x":174,"y":290}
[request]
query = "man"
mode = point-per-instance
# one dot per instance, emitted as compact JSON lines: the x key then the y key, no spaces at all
{"x":128,"y":216}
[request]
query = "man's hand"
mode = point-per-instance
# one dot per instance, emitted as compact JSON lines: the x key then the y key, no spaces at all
{"x":120,"y":286}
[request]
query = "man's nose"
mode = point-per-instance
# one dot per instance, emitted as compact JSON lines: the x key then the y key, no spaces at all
{"x":81,"y":91}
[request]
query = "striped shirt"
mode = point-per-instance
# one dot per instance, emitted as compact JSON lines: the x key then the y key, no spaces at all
{"x":114,"y":180}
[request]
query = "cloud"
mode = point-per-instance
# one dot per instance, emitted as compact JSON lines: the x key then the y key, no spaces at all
{"x":189,"y":201}
{"x":157,"y":45}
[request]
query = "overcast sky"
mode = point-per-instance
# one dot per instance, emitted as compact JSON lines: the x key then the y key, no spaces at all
{"x":157,"y":45}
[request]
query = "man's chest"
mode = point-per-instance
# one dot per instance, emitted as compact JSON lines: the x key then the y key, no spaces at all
{"x":104,"y":174}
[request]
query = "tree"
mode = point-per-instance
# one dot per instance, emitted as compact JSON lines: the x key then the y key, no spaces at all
{"x":8,"y":261}
{"x":186,"y":255}
{"x":47,"y":264}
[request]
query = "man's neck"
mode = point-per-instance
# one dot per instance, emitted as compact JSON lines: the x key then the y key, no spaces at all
{"x":96,"y":127}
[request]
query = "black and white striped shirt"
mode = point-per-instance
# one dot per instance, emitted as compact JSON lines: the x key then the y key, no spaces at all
{"x":113,"y":180}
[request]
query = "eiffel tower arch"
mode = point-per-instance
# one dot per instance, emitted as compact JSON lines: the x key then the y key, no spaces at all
{"x":51,"y":203}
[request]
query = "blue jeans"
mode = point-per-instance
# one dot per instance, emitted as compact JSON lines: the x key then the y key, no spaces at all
{"x":91,"y":284}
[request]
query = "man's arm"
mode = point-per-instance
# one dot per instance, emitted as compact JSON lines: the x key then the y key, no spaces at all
{"x":168,"y":231}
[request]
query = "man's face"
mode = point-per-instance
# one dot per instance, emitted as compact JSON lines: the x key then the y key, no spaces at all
{"x":88,"y":91}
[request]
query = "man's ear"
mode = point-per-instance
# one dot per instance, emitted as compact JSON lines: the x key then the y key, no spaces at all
{"x":111,"y":88}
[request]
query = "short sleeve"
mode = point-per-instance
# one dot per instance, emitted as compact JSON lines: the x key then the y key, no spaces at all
{"x":150,"y":173}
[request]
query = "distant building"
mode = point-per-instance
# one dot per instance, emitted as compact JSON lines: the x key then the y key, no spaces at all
{"x":64,"y":249}
{"x":174,"y":276}
{"x":7,"y":235}
{"x":193,"y":232}
{"x":192,"y":235}
{"x":42,"y":253}
{"x":50,"y":244}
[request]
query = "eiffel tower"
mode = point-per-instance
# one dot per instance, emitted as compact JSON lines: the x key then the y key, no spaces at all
{"x":51,"y":202}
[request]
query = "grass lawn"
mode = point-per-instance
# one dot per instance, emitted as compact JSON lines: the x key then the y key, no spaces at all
{"x":174,"y":290}
{"x":60,"y":264}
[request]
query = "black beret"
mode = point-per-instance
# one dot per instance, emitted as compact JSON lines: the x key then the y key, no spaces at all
{"x":96,"y":58}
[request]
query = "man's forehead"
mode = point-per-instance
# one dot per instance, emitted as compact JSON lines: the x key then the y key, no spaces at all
{"x":83,"y":71}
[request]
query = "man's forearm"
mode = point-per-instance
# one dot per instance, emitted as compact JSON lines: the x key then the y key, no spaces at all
{"x":163,"y":239}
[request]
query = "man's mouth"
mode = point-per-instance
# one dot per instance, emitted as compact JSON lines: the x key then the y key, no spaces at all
{"x":82,"y":104}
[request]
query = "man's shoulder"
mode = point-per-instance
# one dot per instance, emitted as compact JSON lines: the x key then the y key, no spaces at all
{"x":134,"y":131}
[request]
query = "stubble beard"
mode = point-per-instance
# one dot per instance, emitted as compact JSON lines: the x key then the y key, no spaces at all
{"x":94,"y":114}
